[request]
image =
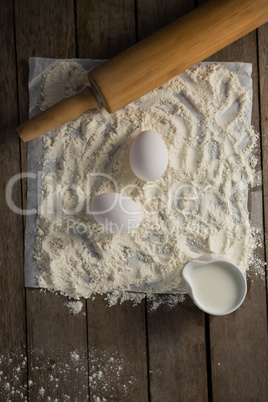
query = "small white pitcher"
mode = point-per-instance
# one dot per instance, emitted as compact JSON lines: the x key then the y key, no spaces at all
{"x":207,"y":290}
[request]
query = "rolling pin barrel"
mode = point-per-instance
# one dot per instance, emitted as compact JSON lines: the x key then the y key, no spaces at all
{"x":156,"y":59}
{"x":173,"y":49}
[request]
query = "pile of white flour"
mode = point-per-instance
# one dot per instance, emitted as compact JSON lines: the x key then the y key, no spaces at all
{"x":197,"y":207}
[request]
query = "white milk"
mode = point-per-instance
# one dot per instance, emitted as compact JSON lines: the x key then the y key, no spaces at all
{"x":216,"y":286}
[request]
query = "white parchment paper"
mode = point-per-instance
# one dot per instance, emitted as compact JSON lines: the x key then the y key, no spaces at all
{"x":37,"y":68}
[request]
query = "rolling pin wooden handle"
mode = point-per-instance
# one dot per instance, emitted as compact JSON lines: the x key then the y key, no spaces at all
{"x":57,"y":115}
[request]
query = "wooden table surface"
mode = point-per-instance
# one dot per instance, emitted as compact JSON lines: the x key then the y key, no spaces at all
{"x":122,"y":353}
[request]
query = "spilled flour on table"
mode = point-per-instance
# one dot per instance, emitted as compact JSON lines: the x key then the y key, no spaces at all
{"x":47,"y":376}
{"x":110,"y":374}
{"x":198,"y":206}
{"x":75,"y":307}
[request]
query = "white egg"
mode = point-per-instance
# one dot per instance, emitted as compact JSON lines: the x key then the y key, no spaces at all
{"x":116,"y":212}
{"x":148,"y":156}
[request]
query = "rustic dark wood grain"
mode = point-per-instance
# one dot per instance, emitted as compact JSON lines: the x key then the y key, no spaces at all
{"x":177,"y":353}
{"x":239,"y":340}
{"x":12,"y":293}
{"x":104,"y":28}
{"x":117,"y":350}
{"x":47,"y":29}
{"x":57,"y":351}
{"x":119,"y":332}
{"x":263,"y":93}
{"x":176,"y":337}
{"x":153,"y":15}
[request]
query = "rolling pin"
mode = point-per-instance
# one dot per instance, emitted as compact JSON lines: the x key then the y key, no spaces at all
{"x":155,"y":60}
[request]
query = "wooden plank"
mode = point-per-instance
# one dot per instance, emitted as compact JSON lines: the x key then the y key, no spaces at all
{"x":58,"y":358}
{"x":116,"y":335}
{"x":153,"y":15}
{"x":177,"y":353}
{"x":57,"y":343}
{"x":117,"y":351}
{"x":13,"y":367}
{"x":239,"y":340}
{"x":263,"y":87}
{"x":176,"y":337}
{"x":104,"y":28}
